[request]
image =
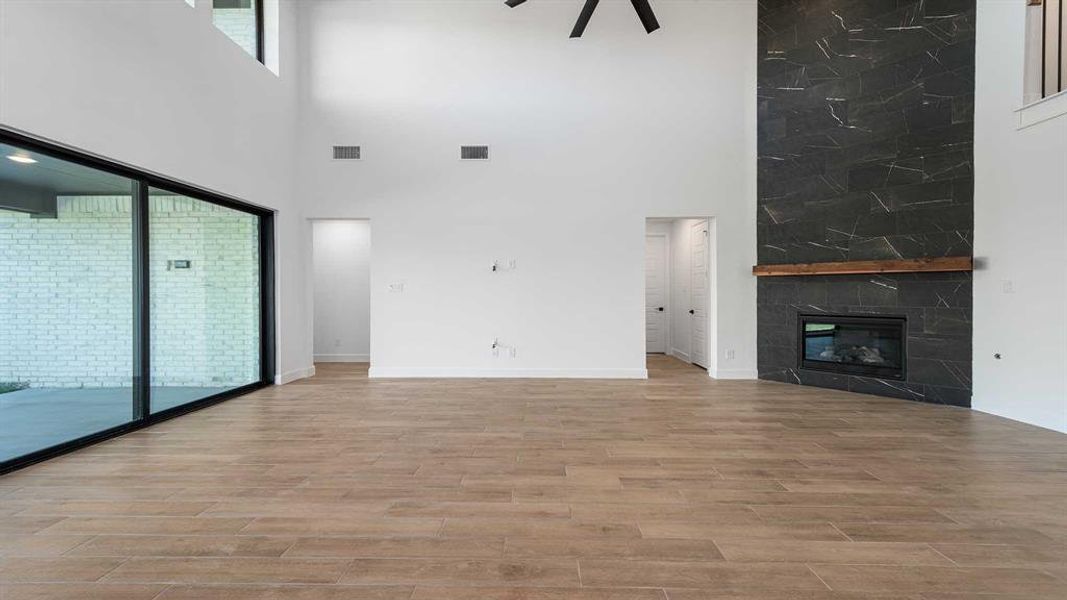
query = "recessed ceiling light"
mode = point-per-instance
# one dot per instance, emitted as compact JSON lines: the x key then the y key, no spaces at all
{"x":26,"y":160}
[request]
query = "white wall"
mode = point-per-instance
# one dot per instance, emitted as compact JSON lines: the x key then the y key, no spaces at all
{"x":342,"y":290}
{"x":65,"y":309}
{"x":156,"y":85}
{"x":658,"y":227}
{"x":65,"y":301}
{"x":589,"y":137}
{"x":205,"y":319}
{"x":1020,"y":233}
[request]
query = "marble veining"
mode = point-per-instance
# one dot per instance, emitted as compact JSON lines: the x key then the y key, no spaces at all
{"x":865,"y":137}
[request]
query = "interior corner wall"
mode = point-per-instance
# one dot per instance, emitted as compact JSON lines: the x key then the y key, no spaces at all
{"x":341,"y":260}
{"x":588,"y":138}
{"x":1020,"y":288}
{"x":157,"y":86}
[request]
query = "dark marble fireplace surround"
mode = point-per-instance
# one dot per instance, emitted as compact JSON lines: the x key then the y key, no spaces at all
{"x":865,"y":152}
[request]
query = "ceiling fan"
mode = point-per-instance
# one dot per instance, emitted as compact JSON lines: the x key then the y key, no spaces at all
{"x":644,"y":12}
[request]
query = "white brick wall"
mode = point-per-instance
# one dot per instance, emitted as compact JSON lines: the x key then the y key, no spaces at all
{"x":66,"y":304}
{"x":239,"y":24}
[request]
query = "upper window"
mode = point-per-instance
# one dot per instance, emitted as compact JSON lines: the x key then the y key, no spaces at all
{"x":242,"y":20}
{"x":1046,"y":48}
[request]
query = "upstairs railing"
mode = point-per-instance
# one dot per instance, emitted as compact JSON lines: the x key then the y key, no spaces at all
{"x":1046,"y":48}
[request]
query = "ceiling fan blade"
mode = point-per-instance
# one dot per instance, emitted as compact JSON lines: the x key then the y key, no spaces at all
{"x":644,"y":12}
{"x":514,"y":3}
{"x":583,"y":19}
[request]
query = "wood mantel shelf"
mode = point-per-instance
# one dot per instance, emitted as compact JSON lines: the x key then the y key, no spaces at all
{"x":860,"y":267}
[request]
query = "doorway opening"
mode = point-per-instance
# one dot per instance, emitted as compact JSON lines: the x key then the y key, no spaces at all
{"x":679,"y":286}
{"x":341,"y":254}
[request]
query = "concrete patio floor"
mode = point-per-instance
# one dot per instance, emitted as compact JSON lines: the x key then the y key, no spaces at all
{"x":37,"y":418}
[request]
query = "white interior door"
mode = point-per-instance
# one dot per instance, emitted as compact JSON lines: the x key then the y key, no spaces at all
{"x":698,"y":285}
{"x":656,"y":293}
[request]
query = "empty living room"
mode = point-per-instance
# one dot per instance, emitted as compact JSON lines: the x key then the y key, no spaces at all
{"x":533,"y":299}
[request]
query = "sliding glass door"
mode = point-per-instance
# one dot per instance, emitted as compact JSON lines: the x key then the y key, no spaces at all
{"x":125,"y":298}
{"x":66,"y":316}
{"x":205,"y":311}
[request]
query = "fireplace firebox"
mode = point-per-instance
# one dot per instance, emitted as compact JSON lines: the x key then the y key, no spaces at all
{"x":853,"y":345}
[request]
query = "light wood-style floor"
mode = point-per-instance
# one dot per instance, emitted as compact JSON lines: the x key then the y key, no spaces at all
{"x":679,"y":487}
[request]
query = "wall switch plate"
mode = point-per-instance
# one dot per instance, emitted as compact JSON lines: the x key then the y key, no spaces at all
{"x":396,"y":287}
{"x":1008,"y":286}
{"x":730,"y":355}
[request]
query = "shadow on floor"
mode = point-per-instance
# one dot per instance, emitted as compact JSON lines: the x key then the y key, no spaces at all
{"x":664,"y":365}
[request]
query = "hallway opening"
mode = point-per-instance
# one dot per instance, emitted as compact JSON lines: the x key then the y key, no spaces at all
{"x":679,"y":292}
{"x":341,"y":258}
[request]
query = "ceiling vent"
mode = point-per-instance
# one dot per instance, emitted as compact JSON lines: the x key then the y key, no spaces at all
{"x":474,"y":152}
{"x":347,"y":153}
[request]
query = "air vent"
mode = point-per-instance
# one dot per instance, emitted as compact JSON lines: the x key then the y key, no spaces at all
{"x":474,"y":152}
{"x":346,"y":153}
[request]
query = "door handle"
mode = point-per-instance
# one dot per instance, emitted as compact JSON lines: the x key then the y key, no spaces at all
{"x":660,"y":309}
{"x":692,"y":312}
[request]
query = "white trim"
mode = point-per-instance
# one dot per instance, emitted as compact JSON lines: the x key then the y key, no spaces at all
{"x":1044,"y":109}
{"x":733,"y":374}
{"x":294,"y":375}
{"x":711,"y":346}
{"x":516,"y":373}
{"x":715,"y":353}
{"x":1029,"y":421}
{"x":342,"y":358}
{"x":676,"y":353}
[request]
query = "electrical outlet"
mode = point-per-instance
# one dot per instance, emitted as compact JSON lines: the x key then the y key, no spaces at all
{"x":497,"y":348}
{"x":1008,"y":286}
{"x":498,"y":266}
{"x":397,"y":287}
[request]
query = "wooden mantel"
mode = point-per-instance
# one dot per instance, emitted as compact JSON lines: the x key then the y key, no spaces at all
{"x":860,"y":267}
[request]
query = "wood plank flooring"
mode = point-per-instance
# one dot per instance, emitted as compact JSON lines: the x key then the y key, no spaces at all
{"x":675,"y":488}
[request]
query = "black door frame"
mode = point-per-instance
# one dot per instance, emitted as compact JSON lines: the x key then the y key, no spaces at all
{"x":142,"y":415}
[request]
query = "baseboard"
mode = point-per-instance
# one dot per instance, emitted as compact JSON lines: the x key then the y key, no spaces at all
{"x":453,"y":372}
{"x":733,"y":373}
{"x":342,"y":358}
{"x":1024,"y":419}
{"x":676,"y":353}
{"x":295,"y":374}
